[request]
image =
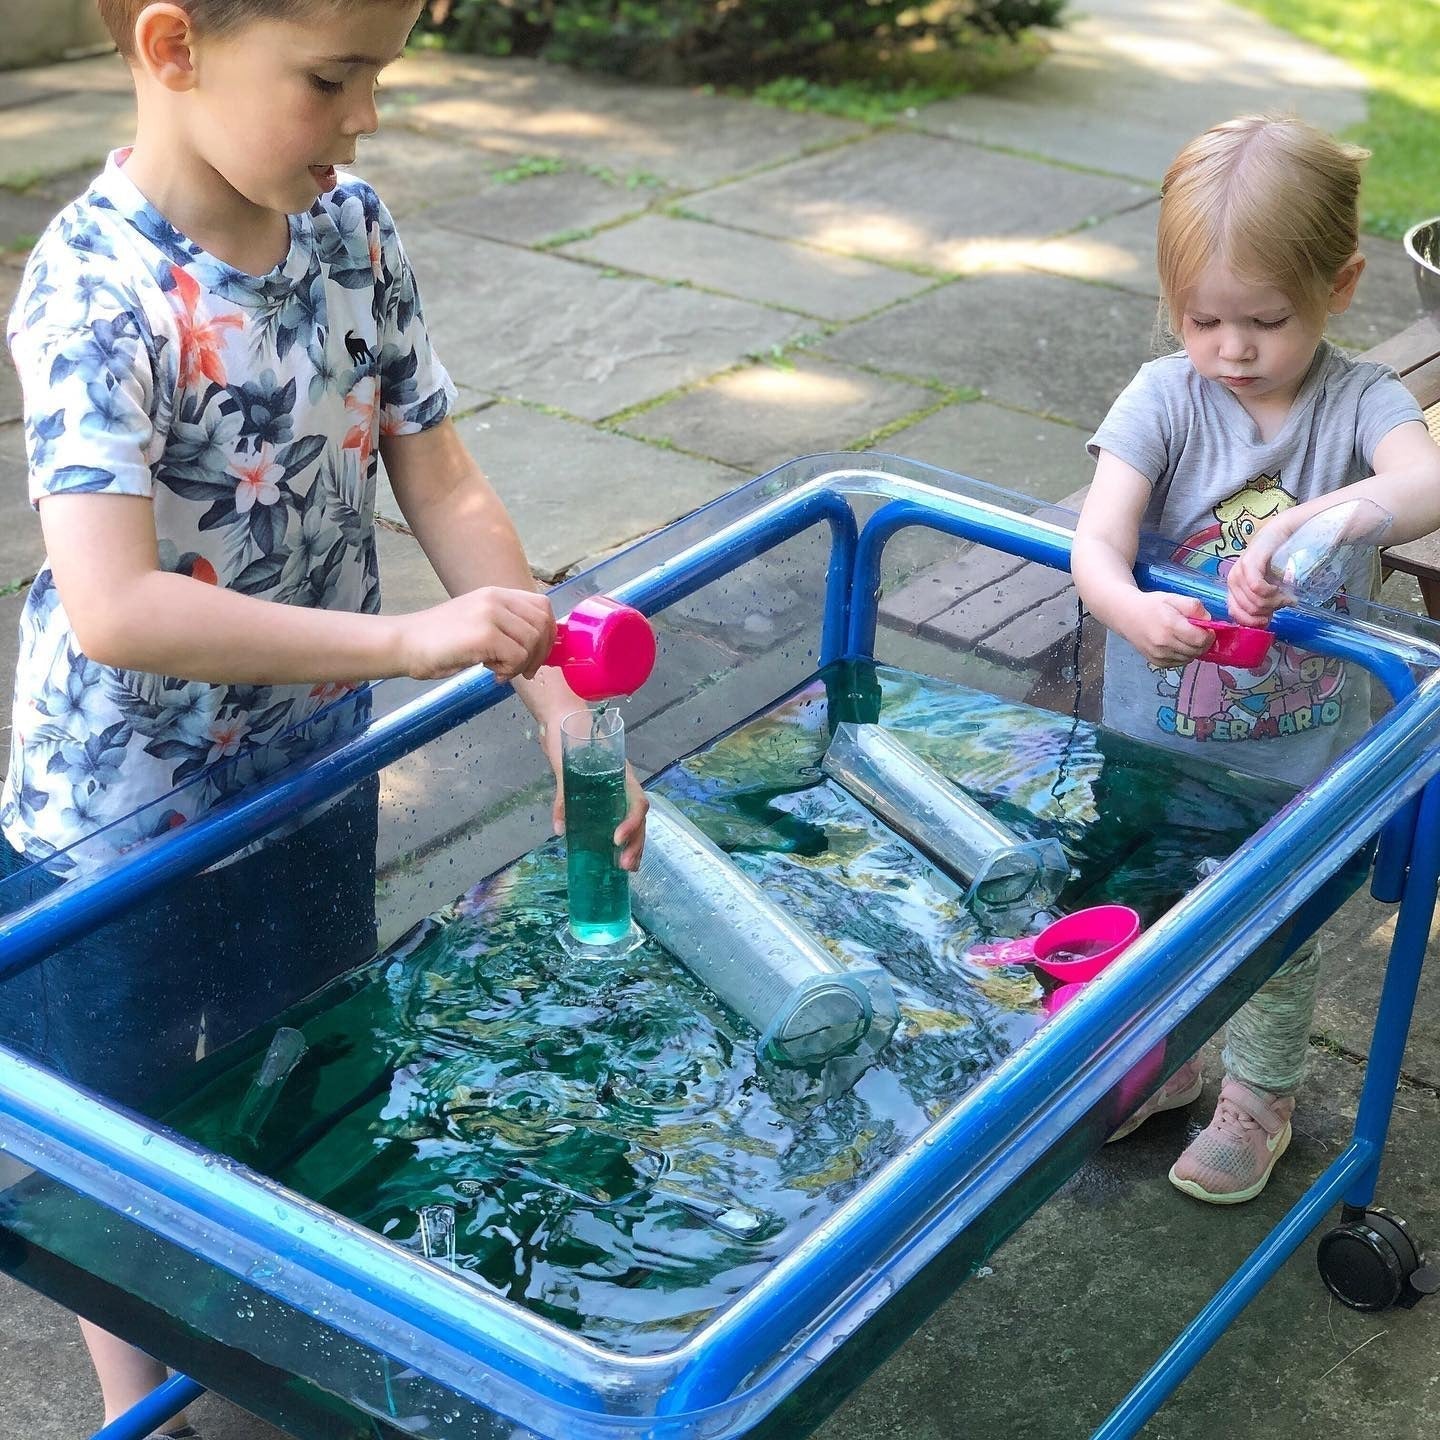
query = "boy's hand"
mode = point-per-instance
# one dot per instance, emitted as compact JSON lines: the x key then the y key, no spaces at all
{"x":1159,"y":627}
{"x":1253,"y":596}
{"x":511,"y":631}
{"x":630,"y":834}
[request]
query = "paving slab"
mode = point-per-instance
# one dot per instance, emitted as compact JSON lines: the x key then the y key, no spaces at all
{"x":1040,"y":458}
{"x":1128,"y":82}
{"x":558,"y":332}
{"x":25,"y":213}
{"x":22,"y":546}
{"x":573,"y":490}
{"x":1120,"y":250}
{"x":413,"y":172}
{"x":10,"y":401}
{"x":916,"y":199}
{"x":1039,"y":342}
{"x":1350,"y":982}
{"x":1073,"y":1307}
{"x":772,"y":272}
{"x":758,"y":417}
{"x":63,"y":132}
{"x":408,"y":581}
{"x":527,"y":107}
{"x":541,"y":208}
{"x":1386,"y":301}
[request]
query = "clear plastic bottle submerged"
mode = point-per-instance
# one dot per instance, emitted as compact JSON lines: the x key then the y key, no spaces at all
{"x":1312,"y":565}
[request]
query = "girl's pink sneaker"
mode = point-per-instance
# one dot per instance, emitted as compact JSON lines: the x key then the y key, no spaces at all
{"x":1230,"y":1161}
{"x":1182,"y":1088}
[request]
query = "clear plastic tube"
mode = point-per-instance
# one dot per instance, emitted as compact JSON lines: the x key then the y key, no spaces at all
{"x":1312,"y":565}
{"x":807,"y":1005}
{"x":1000,"y":870}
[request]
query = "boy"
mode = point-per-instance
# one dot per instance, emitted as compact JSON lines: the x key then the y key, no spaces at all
{"x":215,"y":343}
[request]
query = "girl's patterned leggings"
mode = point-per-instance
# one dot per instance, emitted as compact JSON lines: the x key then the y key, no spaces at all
{"x":1268,"y":1038}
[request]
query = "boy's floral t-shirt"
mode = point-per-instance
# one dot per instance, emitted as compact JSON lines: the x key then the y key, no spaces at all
{"x":248,"y":410}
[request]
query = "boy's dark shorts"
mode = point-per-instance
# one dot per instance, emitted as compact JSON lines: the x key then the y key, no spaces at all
{"x":126,"y":1008}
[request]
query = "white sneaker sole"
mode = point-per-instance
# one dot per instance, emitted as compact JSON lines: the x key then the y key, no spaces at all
{"x":1168,"y":1102}
{"x":1235,"y":1197}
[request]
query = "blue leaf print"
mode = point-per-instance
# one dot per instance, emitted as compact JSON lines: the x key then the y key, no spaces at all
{"x":41,"y":433}
{"x":80,"y":479}
{"x":266,"y":408}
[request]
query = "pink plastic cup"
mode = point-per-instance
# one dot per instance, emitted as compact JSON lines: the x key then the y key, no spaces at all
{"x":604,"y":649}
{"x":1243,"y":646}
{"x":1075,"y":948}
{"x":1081,"y":945}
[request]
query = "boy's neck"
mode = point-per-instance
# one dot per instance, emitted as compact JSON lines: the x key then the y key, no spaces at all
{"x":205,"y":208}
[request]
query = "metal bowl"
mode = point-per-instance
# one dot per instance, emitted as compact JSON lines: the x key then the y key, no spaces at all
{"x":1422,"y":244}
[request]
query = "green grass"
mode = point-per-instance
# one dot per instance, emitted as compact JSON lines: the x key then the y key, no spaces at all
{"x":1396,"y":43}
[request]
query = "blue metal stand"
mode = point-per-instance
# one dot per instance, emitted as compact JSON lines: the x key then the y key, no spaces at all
{"x":163,"y":1403}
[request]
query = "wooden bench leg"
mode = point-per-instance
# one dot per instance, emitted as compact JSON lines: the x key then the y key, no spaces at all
{"x":1430,"y":594}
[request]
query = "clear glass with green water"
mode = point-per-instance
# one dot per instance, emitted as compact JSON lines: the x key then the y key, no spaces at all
{"x":593,"y":768}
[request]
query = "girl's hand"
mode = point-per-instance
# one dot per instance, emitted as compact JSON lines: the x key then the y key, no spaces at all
{"x":1159,"y":627}
{"x":511,"y":631}
{"x":630,"y":834}
{"x":1253,"y":597}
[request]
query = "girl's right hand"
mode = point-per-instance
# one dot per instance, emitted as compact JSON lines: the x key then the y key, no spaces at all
{"x":1159,"y":627}
{"x":511,"y":631}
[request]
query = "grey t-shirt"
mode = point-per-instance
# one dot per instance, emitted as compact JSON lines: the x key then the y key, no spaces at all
{"x":1214,"y":481}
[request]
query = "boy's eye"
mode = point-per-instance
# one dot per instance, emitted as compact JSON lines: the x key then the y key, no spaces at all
{"x":327,"y":87}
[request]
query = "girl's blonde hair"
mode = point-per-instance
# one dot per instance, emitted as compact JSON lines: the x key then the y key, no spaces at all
{"x":1272,"y":198}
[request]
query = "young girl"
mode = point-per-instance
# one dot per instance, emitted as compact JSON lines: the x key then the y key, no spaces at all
{"x":1227,"y":447}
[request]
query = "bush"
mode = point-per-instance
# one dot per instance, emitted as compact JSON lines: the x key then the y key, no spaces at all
{"x":726,"y":41}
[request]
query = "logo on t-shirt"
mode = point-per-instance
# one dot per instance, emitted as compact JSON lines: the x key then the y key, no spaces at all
{"x":1290,"y":692}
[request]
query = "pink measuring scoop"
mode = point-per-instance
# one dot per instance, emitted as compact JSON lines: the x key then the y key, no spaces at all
{"x":604,"y":649}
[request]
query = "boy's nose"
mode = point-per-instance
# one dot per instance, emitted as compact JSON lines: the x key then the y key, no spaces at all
{"x":364,"y":117}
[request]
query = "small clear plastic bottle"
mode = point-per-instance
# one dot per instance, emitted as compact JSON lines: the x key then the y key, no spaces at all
{"x":1311,"y":566}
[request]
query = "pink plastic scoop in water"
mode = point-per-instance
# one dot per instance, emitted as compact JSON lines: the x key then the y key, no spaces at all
{"x":604,"y":649}
{"x":1077,"y":947}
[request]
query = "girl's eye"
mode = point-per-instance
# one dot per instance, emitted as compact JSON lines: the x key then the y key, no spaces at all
{"x":1273,"y":324}
{"x":1203,"y":324}
{"x":327,"y":87}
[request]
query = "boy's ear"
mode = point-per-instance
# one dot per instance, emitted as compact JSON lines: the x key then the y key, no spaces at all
{"x":1342,"y":292}
{"x":164,"y":44}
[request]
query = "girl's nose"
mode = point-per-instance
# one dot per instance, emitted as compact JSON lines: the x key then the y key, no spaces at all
{"x":1234,"y":344}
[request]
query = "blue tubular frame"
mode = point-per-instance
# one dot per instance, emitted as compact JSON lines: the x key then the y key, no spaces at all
{"x":746,"y":1360}
{"x":163,"y":1403}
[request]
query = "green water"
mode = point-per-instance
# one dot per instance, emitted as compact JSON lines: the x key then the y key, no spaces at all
{"x":614,"y":1159}
{"x":599,"y":890}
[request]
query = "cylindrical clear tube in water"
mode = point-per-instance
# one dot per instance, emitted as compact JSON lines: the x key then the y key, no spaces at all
{"x":593,"y":776}
{"x":807,"y":1005}
{"x":999,"y":869}
{"x":1329,"y":548}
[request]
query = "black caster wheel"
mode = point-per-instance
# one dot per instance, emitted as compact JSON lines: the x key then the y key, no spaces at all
{"x":1371,"y":1261}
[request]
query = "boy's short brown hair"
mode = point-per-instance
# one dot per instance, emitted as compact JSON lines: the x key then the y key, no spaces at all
{"x":212,"y":17}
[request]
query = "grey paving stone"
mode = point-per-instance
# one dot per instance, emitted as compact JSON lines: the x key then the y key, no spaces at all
{"x":10,"y":406}
{"x":412,"y":172}
{"x":758,"y":417}
{"x":1128,"y":82}
{"x":1040,"y":458}
{"x":525,"y":107}
{"x":1036,"y":341}
{"x":573,"y":490}
{"x":1118,"y":251}
{"x":22,"y":546}
{"x":834,"y":287}
{"x":1350,"y":988}
{"x":408,"y":581}
{"x":61,"y":133}
{"x":553,"y":331}
{"x":1074,"y":1306}
{"x":541,"y":207}
{"x":916,"y":199}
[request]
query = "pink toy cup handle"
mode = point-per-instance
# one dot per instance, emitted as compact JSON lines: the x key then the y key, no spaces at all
{"x":1003,"y":952}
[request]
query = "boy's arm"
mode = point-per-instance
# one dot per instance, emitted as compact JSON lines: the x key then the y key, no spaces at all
{"x":1405,"y":485}
{"x":128,"y":612}
{"x":468,"y":536}
{"x":1107,"y":538}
